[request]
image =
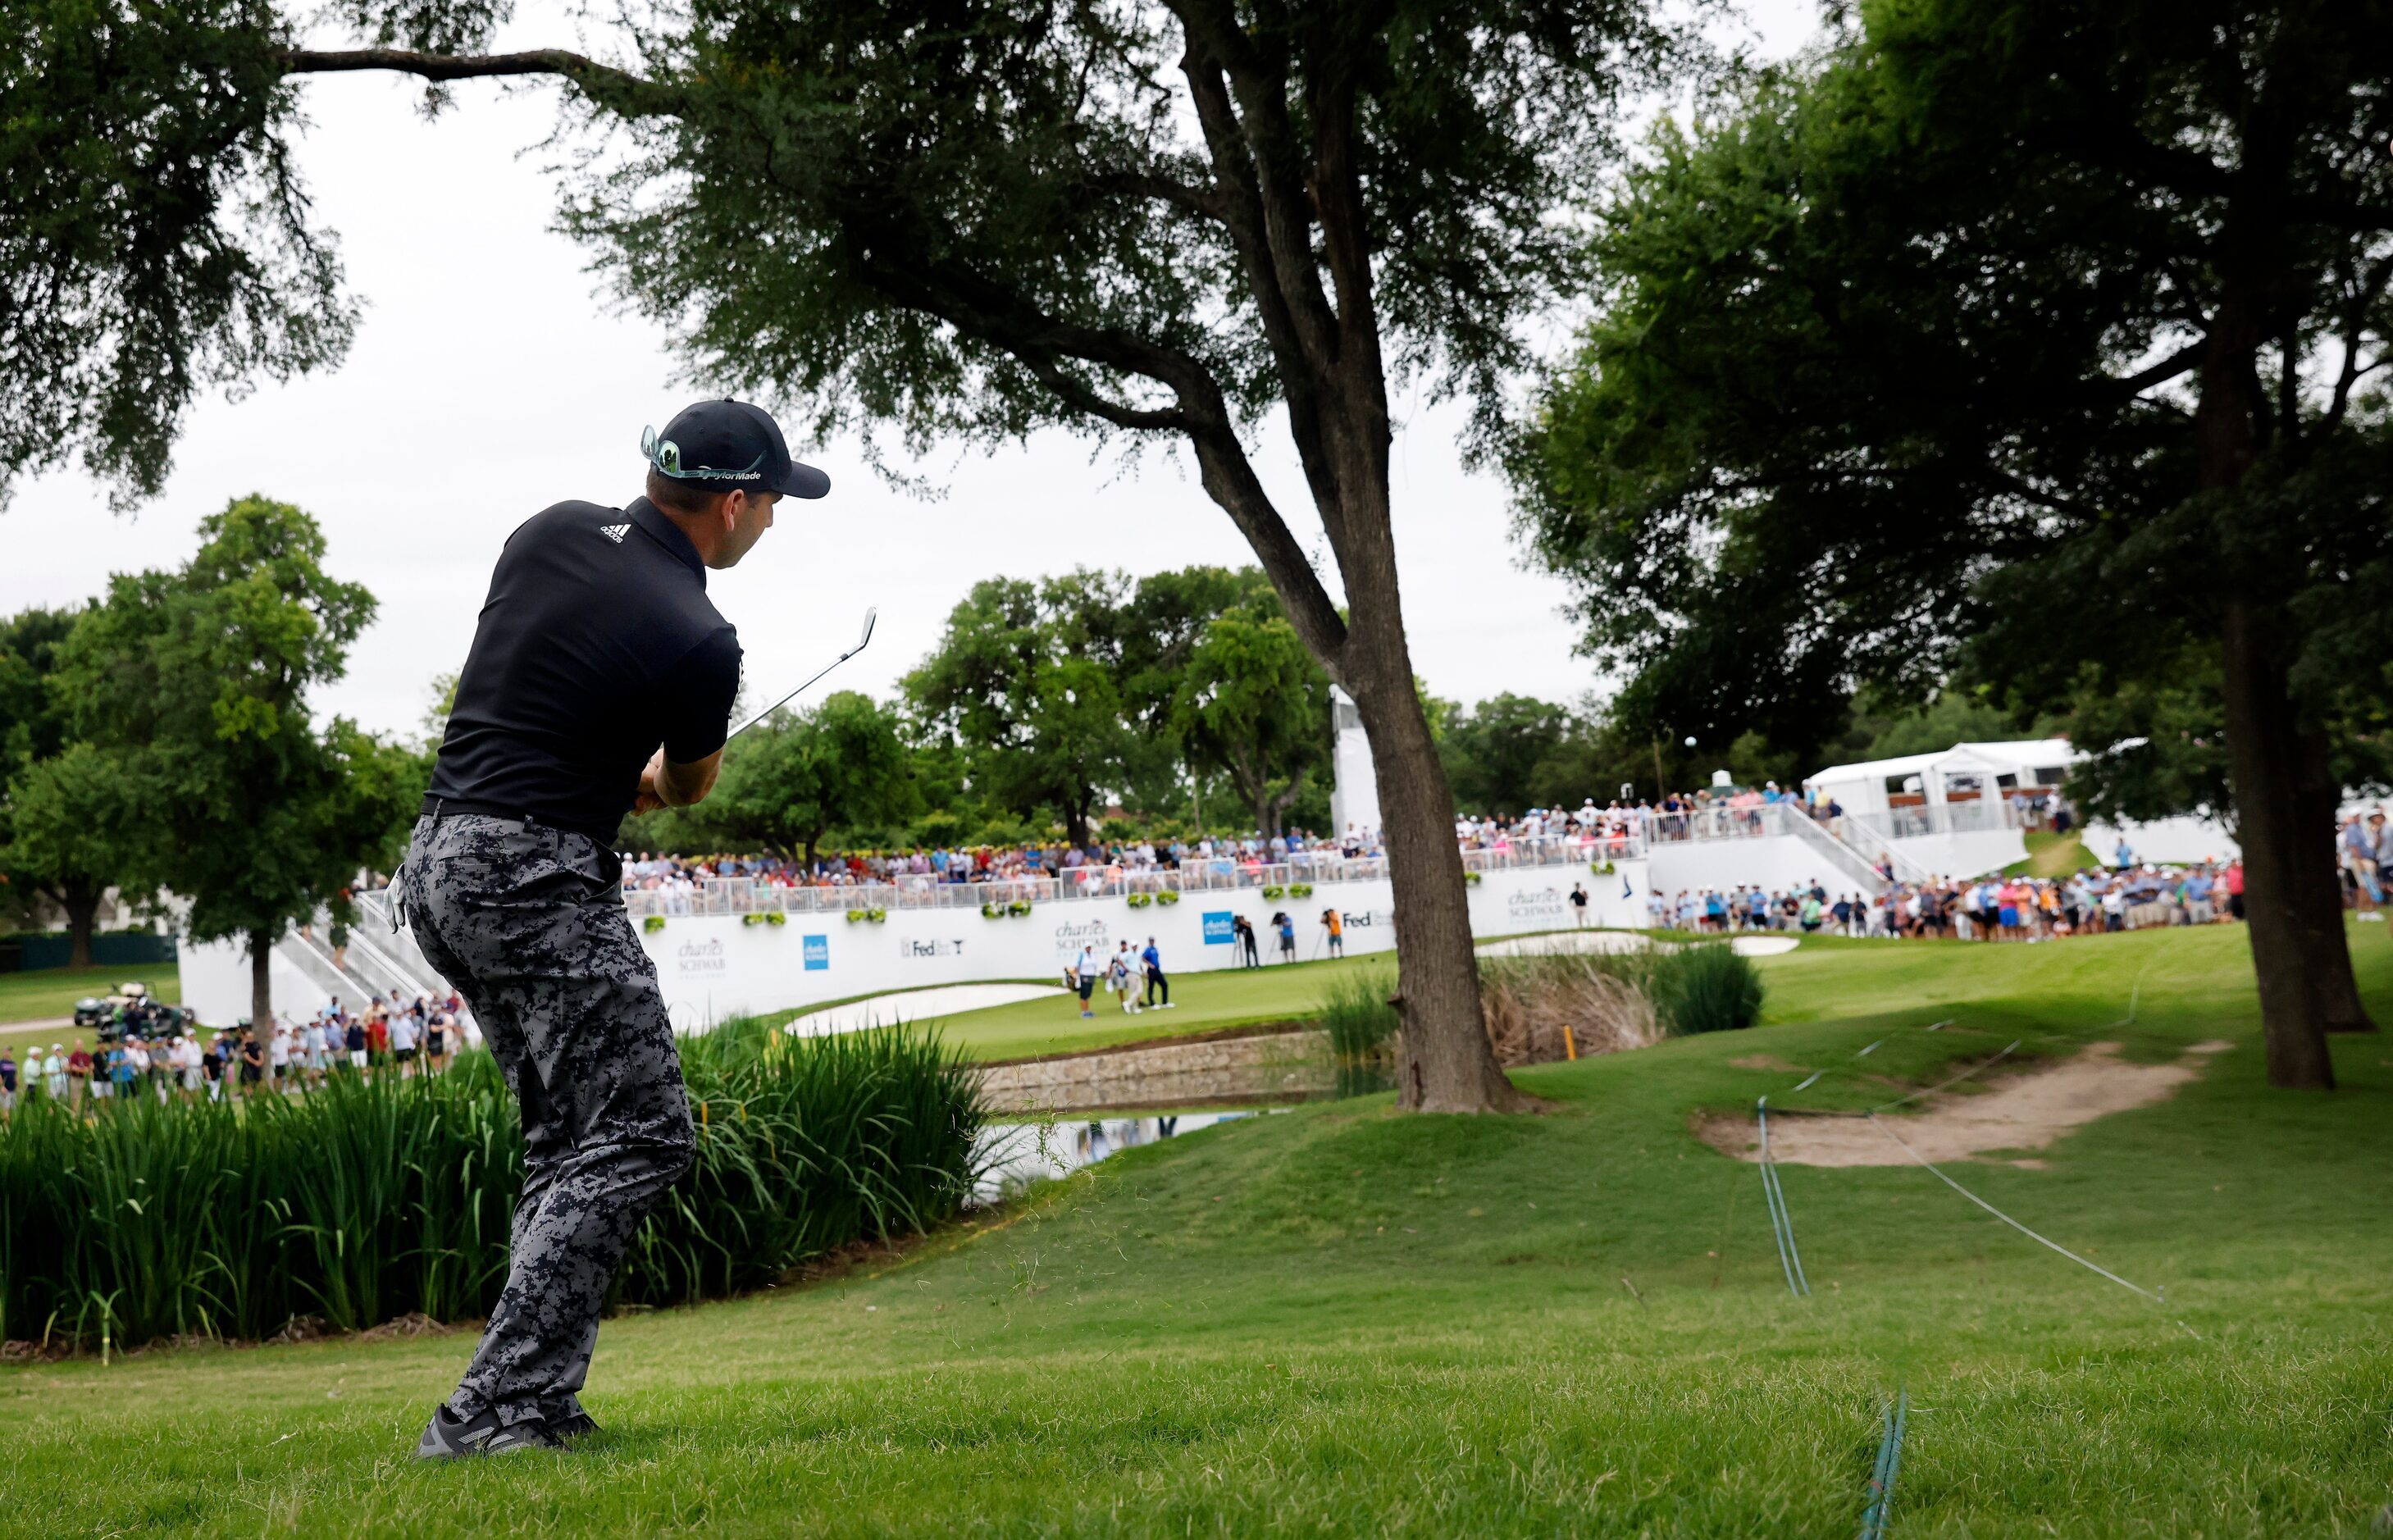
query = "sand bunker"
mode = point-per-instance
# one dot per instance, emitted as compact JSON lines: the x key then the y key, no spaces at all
{"x":1764,"y":946}
{"x":2018,"y":1112}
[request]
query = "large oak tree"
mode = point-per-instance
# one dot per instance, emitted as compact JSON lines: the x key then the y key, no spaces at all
{"x":1169,"y":222}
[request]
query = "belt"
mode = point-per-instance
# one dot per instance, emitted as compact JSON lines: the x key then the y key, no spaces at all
{"x":437,"y":808}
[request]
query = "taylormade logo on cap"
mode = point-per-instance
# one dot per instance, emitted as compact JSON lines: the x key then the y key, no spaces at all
{"x":715,"y":443}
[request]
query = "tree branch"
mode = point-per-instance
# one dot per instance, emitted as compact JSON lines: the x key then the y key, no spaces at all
{"x":621,"y":89}
{"x":2185,"y":361}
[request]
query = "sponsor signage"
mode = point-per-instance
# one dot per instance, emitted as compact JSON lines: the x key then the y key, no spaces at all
{"x":1218,"y":930}
{"x":1547,"y":903}
{"x":930,"y":946}
{"x":817,"y":953}
{"x":1368,"y":920}
{"x":1071,"y":939}
{"x":700,"y":956}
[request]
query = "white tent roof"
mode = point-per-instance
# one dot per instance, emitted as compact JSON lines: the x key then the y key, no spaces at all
{"x":1961,"y":756}
{"x":2027,"y":754}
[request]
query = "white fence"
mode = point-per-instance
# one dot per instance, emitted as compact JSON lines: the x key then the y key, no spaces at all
{"x":740,"y":896}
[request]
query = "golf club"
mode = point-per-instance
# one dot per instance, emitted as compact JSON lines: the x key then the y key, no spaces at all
{"x":860,"y":641}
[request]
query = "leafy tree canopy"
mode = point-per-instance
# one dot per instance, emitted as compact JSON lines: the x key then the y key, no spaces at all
{"x":190,"y":690}
{"x":2035,"y":345}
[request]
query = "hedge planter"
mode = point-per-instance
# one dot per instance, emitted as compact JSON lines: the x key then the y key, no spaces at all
{"x":1300,"y":889}
{"x":1470,"y":879}
{"x":652,"y":924}
{"x":1140,"y":900}
{"x":1167,"y":898}
{"x":1273,"y":890}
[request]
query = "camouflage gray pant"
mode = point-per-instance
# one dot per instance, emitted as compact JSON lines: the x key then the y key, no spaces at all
{"x":527,"y":923}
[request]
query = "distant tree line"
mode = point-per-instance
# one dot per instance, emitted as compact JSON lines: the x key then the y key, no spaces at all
{"x":160,"y":740}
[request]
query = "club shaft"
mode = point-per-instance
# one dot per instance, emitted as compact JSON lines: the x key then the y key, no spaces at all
{"x":792,"y":695}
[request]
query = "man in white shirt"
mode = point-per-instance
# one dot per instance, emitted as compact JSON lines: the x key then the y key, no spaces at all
{"x":403,"y":1041}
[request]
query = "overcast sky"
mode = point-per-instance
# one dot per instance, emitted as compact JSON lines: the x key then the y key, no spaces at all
{"x":488,"y":379}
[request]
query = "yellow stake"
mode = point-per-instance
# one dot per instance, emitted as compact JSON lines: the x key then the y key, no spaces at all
{"x":1570,"y":1044}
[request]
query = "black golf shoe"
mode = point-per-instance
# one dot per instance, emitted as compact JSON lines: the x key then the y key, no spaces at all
{"x":575,"y":1424}
{"x":449,"y":1436}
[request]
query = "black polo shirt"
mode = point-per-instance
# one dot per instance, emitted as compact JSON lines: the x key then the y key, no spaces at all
{"x":597,"y":645}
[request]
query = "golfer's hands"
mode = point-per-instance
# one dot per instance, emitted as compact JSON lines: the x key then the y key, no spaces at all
{"x":651,"y":796}
{"x":666,"y":783}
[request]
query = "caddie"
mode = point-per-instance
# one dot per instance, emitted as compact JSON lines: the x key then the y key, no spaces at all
{"x":601,"y":681}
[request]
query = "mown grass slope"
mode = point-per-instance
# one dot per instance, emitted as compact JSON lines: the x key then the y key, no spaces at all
{"x":1342,"y":1321}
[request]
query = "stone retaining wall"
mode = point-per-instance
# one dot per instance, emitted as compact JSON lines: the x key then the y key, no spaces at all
{"x":1289,"y":1065}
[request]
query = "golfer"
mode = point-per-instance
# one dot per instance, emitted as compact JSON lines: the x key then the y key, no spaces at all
{"x":600,"y":682}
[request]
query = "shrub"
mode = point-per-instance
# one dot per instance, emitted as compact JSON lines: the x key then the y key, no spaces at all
{"x":992,"y":911}
{"x":1167,"y":898}
{"x":856,"y":917}
{"x":1706,"y":988}
{"x":371,"y":1196}
{"x":1300,"y":889}
{"x":1018,"y":907}
{"x":1471,"y":878}
{"x":1140,"y":900}
{"x":751,"y":919}
{"x":776,"y":918}
{"x":653,"y":923}
{"x":1355,"y":1009}
{"x":877,"y":916}
{"x":1273,"y":890}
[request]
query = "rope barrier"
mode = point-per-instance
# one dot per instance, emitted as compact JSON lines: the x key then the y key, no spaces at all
{"x":2015,"y":1224}
{"x":1890,"y":1460}
{"x":1782,"y":1223}
{"x":1945,"y":1085}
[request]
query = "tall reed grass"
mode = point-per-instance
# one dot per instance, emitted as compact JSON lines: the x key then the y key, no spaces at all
{"x":368,"y":1199}
{"x":1614,"y":1000}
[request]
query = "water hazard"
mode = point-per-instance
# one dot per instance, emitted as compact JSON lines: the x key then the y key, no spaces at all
{"x":1016,"y":1155}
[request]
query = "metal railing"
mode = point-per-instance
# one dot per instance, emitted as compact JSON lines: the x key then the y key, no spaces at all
{"x":1983,"y":816}
{"x":740,"y":896}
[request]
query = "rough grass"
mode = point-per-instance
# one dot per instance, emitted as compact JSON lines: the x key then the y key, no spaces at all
{"x":1341,"y":1321}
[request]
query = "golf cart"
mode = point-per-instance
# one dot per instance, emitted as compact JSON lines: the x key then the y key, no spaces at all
{"x":129,"y":1009}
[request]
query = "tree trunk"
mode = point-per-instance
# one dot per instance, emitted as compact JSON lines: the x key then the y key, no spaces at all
{"x":1447,"y":1064}
{"x":2277,"y":842}
{"x":81,"y":902}
{"x":261,"y":983}
{"x":2326,"y":946}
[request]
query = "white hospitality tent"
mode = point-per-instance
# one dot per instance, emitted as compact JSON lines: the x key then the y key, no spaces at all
{"x":1962,"y":773}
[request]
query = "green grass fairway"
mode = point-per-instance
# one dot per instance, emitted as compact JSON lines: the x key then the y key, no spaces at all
{"x":1202,"y":1003}
{"x":2051,"y":855}
{"x":1341,"y":1321}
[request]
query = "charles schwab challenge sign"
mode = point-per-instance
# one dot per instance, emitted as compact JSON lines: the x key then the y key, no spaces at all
{"x":1071,"y":939}
{"x":1548,"y":902}
{"x":700,"y":956}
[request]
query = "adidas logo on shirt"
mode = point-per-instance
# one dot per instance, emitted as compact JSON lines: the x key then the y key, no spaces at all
{"x":615,"y":531}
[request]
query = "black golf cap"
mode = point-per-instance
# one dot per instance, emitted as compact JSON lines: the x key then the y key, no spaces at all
{"x":728,"y":446}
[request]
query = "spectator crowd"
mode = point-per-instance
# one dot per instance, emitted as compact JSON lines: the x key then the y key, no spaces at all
{"x":388,"y":1036}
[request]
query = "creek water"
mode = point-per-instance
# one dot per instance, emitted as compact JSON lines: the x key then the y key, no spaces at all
{"x":1015,"y":1154}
